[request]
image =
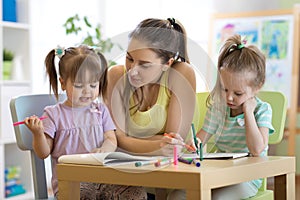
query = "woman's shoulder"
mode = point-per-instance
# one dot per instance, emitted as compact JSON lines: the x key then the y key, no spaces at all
{"x":115,"y":73}
{"x":116,"y":70}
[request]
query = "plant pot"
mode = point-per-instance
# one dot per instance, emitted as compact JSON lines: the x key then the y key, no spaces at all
{"x":7,"y":69}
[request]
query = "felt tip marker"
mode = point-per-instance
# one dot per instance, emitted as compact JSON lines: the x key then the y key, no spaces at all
{"x":185,"y":160}
{"x":175,"y":155}
{"x":188,"y":147}
{"x":164,"y":162}
{"x":197,"y":163}
{"x":143,"y":163}
{"x":23,"y":122}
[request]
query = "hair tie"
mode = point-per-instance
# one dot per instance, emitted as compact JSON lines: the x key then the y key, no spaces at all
{"x":176,"y":55}
{"x":59,"y":51}
{"x":240,"y":46}
{"x":172,"y":21}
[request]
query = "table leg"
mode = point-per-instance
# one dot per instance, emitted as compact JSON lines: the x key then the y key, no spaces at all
{"x":68,"y":190}
{"x":287,"y":192}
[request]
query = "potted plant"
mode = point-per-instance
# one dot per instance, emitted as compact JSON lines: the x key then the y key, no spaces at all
{"x":91,"y":34}
{"x":8,"y":57}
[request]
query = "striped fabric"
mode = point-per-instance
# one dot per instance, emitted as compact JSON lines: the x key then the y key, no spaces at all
{"x":230,"y":131}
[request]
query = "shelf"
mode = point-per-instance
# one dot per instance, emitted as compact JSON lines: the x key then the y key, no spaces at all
{"x":15,"y":37}
{"x":27,"y":195}
{"x":15,"y":25}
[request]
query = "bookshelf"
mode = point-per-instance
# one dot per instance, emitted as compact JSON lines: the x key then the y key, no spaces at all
{"x":14,"y":36}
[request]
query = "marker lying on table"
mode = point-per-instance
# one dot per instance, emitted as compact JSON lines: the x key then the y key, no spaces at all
{"x":23,"y":122}
{"x":164,"y":162}
{"x":197,"y":163}
{"x":185,"y":160}
{"x":188,"y":147}
{"x":143,"y":163}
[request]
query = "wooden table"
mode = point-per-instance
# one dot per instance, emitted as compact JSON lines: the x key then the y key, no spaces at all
{"x":197,"y":182}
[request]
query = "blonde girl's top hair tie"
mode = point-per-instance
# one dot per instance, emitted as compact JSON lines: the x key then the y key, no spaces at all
{"x":59,"y":51}
{"x":242,"y":45}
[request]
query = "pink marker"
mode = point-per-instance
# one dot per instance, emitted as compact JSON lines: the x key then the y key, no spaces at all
{"x":175,"y":155}
{"x":23,"y":122}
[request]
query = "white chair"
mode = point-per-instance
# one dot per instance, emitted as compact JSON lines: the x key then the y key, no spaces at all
{"x":22,"y":107}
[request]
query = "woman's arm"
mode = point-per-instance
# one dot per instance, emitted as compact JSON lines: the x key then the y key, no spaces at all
{"x":182,"y":83}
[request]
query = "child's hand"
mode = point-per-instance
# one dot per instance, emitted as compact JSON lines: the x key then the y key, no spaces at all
{"x":249,"y":105}
{"x":34,"y":124}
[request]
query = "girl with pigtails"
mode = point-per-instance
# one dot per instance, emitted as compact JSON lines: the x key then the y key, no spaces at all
{"x":240,"y":121}
{"x":81,"y":123}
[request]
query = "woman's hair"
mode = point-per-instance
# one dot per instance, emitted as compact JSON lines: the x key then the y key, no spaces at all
{"x":167,"y":38}
{"x":236,"y":57}
{"x":74,"y":63}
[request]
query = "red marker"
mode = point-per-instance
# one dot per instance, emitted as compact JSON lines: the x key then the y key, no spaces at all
{"x":188,"y":147}
{"x":23,"y":122}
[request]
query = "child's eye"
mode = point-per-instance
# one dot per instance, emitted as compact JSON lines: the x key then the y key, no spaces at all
{"x":93,"y":85}
{"x":238,"y":94}
{"x":77,"y":85}
{"x":223,"y":89}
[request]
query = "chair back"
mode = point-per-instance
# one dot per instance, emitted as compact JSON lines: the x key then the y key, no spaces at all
{"x":278,"y":102}
{"x":22,"y":107}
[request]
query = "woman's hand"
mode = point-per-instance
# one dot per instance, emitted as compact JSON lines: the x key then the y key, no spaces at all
{"x":169,"y":141}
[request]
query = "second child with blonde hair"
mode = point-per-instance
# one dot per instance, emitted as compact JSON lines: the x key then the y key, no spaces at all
{"x":240,"y":121}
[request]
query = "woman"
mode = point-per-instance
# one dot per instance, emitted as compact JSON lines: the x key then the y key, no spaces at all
{"x":154,"y":92}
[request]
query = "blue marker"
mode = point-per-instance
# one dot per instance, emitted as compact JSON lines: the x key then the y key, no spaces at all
{"x":197,"y":163}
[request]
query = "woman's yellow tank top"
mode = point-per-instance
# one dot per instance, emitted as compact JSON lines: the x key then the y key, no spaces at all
{"x":143,"y":124}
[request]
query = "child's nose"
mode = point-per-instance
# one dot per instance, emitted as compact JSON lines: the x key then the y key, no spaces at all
{"x":229,"y":97}
{"x":86,"y":89}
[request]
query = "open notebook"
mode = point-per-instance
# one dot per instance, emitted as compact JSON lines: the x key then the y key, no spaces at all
{"x":222,"y":156}
{"x":111,"y":158}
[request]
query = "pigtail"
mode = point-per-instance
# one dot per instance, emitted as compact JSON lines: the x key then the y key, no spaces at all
{"x":51,"y":72}
{"x":103,"y":77}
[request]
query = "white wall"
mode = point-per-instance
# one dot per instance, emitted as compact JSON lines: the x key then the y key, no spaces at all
{"x":120,"y":16}
{"x":117,"y":17}
{"x":47,"y":19}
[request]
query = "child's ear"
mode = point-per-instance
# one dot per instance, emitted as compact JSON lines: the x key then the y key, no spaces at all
{"x":62,"y":83}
